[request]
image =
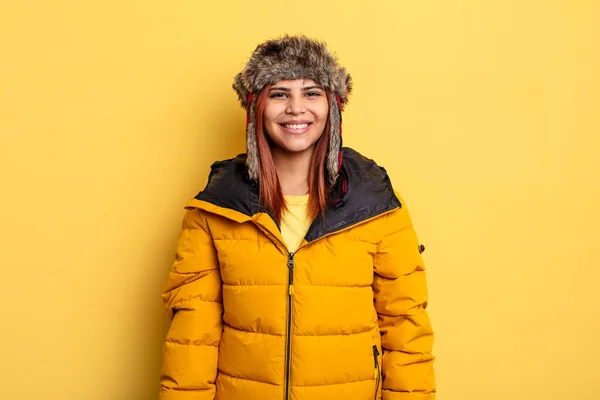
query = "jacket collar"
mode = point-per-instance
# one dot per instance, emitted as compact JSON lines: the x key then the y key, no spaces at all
{"x":369,"y":193}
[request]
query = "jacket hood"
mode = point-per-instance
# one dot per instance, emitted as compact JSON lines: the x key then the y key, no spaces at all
{"x":368,"y":192}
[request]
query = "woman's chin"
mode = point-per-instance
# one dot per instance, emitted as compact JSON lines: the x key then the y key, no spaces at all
{"x":295,"y":148}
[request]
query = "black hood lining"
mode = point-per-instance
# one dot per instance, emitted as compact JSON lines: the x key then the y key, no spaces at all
{"x":369,"y":193}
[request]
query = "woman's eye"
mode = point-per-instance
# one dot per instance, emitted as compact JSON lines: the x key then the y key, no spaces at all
{"x":277,"y":95}
{"x":313,"y":94}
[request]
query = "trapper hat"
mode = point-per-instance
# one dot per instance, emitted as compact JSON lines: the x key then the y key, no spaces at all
{"x":294,"y":57}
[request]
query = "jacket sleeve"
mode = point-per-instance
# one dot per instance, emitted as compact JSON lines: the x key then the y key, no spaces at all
{"x":400,"y":291}
{"x":192,"y":298}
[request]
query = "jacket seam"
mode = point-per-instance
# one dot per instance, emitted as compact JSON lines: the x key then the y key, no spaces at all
{"x":171,"y":340}
{"x":297,"y":285}
{"x":416,"y":353}
{"x":247,"y":331}
{"x":162,"y":386}
{"x":247,"y":379}
{"x":337,"y":383}
{"x":364,"y":241}
{"x":393,"y":233}
{"x":335,"y":334}
{"x":254,"y":284}
{"x":336,"y":286}
{"x":203,"y":223}
{"x":243,"y":239}
{"x":411,"y":391}
{"x":197,"y":296}
{"x":418,"y":306}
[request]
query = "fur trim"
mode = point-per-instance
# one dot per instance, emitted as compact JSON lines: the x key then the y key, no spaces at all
{"x":293,"y":57}
{"x":252,"y":144}
{"x":335,"y":140}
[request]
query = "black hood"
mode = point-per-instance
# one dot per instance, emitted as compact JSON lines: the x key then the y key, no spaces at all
{"x":368,"y":192}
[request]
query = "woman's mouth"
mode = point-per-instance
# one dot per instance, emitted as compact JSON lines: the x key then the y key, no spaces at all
{"x":296,"y":128}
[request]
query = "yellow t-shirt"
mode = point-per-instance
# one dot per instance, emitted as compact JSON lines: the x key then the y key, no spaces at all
{"x":295,"y":222}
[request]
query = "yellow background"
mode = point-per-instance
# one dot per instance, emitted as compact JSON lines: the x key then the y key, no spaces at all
{"x":485,"y":113}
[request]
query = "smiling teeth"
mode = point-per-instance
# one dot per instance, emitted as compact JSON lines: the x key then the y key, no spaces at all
{"x":296,"y":126}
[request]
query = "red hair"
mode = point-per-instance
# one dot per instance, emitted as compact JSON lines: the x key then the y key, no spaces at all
{"x":270,"y":190}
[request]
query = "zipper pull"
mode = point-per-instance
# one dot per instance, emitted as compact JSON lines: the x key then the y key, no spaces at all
{"x":375,"y":355}
{"x":291,"y":273}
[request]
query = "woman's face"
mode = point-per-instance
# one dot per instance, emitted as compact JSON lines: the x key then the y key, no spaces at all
{"x":295,"y":114}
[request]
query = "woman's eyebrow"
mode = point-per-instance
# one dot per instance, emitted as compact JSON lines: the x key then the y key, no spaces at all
{"x":284,"y":89}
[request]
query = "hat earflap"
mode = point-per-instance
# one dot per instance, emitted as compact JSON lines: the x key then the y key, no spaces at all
{"x":334,"y":161}
{"x":251,"y":139}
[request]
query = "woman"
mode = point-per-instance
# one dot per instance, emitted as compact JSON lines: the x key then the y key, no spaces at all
{"x":298,"y":274}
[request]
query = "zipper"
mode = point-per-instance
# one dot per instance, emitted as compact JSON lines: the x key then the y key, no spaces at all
{"x":288,"y":332}
{"x":377,"y":371}
{"x":288,"y":343}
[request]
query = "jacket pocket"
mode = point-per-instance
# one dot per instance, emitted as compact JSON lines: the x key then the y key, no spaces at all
{"x":376,"y":371}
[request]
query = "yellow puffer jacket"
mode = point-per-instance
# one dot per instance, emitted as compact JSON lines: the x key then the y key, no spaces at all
{"x":342,"y":318}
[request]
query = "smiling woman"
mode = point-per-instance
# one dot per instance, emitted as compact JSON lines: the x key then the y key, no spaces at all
{"x":298,"y":273}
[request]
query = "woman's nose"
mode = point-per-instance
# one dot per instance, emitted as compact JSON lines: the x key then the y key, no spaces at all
{"x":296,"y":105}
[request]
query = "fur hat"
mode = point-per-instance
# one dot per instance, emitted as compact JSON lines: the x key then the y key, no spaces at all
{"x":294,"y":57}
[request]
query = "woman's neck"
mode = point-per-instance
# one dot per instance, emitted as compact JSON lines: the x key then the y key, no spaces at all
{"x":292,"y":170}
